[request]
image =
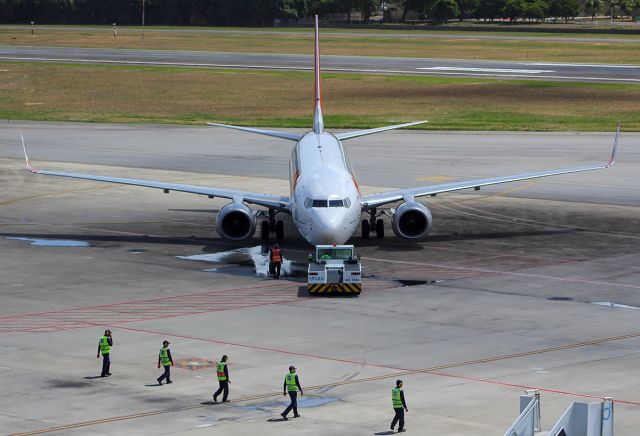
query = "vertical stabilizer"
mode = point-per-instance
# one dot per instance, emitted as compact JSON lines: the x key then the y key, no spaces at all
{"x":318,"y":122}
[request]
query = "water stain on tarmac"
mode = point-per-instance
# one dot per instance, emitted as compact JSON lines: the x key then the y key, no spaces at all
{"x":303,"y":402}
{"x":51,"y":242}
{"x":247,"y":261}
{"x":69,"y":384}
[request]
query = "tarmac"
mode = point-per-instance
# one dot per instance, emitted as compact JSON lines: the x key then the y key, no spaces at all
{"x":488,"y":69}
{"x":498,"y":299}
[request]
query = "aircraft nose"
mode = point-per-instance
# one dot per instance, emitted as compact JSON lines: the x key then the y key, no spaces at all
{"x":328,"y":228}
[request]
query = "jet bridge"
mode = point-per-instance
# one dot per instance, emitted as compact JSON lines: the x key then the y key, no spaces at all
{"x":580,"y":419}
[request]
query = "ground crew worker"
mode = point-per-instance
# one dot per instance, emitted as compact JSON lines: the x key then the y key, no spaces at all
{"x":399,"y":406}
{"x":276,"y":258}
{"x":291,"y":386}
{"x":165,"y":359}
{"x":223,"y":379}
{"x":104,"y":348}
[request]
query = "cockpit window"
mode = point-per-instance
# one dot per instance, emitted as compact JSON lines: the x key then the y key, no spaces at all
{"x":347,"y":203}
{"x":336,"y":203}
{"x":307,"y":202}
{"x":319,"y":203}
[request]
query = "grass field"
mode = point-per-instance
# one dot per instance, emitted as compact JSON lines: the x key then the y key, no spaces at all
{"x":441,"y":46}
{"x":262,"y":98}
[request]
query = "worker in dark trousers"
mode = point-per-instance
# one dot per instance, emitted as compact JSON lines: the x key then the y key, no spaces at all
{"x":399,"y":406}
{"x":165,"y":359}
{"x":223,"y":379}
{"x":104,"y":348}
{"x":275,"y":257}
{"x":292,"y":386}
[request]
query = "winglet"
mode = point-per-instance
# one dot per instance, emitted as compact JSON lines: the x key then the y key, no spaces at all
{"x":612,"y":159}
{"x":318,"y":121}
{"x":26,"y":156}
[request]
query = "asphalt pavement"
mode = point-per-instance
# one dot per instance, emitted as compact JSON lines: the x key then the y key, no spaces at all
{"x":592,"y":72}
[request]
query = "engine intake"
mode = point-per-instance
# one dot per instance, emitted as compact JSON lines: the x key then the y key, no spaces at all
{"x":411,"y":220}
{"x":236,"y":221}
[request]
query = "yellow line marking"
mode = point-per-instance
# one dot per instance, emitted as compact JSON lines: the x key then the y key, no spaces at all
{"x":434,"y":178}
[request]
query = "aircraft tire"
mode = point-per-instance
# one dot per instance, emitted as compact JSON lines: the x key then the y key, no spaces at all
{"x":366,"y":229}
{"x":264,"y":231}
{"x":279,"y":230}
{"x":379,"y":229}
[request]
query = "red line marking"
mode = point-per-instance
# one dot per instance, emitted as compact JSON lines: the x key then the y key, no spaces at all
{"x":355,"y":362}
{"x":104,"y":306}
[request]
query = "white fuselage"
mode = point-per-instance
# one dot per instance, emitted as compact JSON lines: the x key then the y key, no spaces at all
{"x":325,"y":199}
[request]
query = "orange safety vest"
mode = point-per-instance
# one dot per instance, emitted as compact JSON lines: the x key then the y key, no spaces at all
{"x":275,"y":255}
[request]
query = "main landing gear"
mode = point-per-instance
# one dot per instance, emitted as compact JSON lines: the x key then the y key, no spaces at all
{"x":372,"y":225}
{"x":267,"y":227}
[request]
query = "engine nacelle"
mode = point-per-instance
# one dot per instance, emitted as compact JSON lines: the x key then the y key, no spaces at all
{"x":411,"y":220}
{"x":236,"y":221}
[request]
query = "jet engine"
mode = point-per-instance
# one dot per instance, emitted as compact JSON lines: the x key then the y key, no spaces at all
{"x":236,"y":221}
{"x":411,"y":220}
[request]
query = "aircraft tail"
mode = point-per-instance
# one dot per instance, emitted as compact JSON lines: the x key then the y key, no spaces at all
{"x":318,"y":121}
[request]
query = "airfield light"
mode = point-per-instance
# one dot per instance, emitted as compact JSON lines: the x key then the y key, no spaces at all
{"x":33,"y":30}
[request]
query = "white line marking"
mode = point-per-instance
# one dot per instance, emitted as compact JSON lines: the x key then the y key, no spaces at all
{"x":486,"y":70}
{"x":542,"y":64}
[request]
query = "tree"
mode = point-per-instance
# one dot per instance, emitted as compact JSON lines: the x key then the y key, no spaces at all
{"x":514,"y":9}
{"x":443,"y":10}
{"x":366,"y":7}
{"x":466,"y":8}
{"x":536,"y":10}
{"x":564,"y":9}
{"x":489,"y":9}
{"x":592,"y":7}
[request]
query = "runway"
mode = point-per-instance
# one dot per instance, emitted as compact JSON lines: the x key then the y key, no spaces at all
{"x":609,"y":73}
{"x":501,"y":297}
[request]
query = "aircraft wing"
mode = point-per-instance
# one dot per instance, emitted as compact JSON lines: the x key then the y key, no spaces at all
{"x":380,"y":199}
{"x":266,"y":200}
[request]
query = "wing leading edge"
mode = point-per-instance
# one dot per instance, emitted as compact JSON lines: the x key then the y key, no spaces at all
{"x":266,"y":200}
{"x":380,"y":199}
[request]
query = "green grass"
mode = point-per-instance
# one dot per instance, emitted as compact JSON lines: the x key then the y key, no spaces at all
{"x":441,"y":45}
{"x":284,"y":99}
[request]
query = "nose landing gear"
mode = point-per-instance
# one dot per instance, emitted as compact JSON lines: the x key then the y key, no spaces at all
{"x":272,"y":226}
{"x":372,"y":225}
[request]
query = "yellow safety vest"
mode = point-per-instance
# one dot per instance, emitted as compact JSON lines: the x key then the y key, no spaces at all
{"x":290,"y":380}
{"x":105,"y":348}
{"x":164,"y":357}
{"x":396,"y":399}
{"x":220,"y":371}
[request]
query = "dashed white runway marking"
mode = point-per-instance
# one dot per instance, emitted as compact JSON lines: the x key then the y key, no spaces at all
{"x":487,"y":70}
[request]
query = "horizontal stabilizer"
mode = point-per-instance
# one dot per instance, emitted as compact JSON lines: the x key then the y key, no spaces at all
{"x":357,"y":133}
{"x":283,"y":135}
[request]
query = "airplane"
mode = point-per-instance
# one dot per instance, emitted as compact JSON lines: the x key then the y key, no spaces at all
{"x":325,"y":201}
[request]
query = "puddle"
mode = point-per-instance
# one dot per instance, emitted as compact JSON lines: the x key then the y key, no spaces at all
{"x":66,"y":384}
{"x":51,"y":242}
{"x":305,"y":401}
{"x":610,"y":304}
{"x":241,"y":259}
{"x":405,"y":283}
{"x":315,"y":401}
